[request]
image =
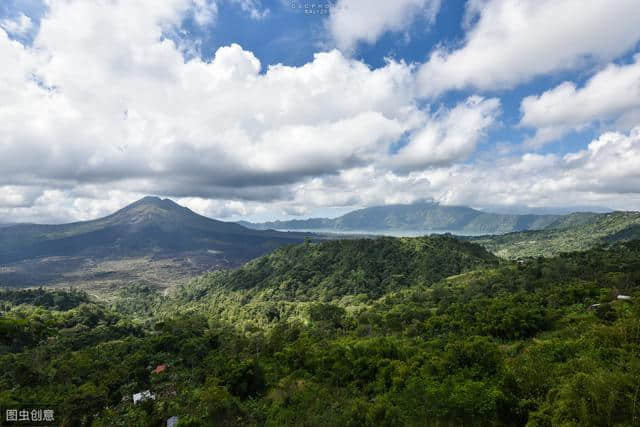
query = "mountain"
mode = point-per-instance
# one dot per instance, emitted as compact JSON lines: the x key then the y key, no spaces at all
{"x":573,"y":232}
{"x":150,"y":228}
{"x":544,"y":210}
{"x":423,"y":216}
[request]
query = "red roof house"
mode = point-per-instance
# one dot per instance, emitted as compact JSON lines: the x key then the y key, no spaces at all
{"x":160,"y":368}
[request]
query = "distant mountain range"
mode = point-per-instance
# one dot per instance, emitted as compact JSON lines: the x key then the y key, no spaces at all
{"x":424,"y":216}
{"x":158,"y":242}
{"x":150,"y":228}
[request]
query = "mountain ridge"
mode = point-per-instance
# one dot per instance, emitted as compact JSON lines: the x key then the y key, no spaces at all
{"x":572,"y":233}
{"x":427,"y":216}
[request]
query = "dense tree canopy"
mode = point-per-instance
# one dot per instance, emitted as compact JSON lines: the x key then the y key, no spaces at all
{"x":326,"y":334}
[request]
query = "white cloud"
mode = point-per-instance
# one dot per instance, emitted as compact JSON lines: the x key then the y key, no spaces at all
{"x":19,"y":26}
{"x":18,"y":196}
{"x":125,"y":103}
{"x":205,"y":11}
{"x":113,"y":104}
{"x":253,"y":8}
{"x":610,"y":94}
{"x":449,"y":135}
{"x":353,"y":21}
{"x":606,"y":173}
{"x":512,"y":41}
{"x":115,"y":112}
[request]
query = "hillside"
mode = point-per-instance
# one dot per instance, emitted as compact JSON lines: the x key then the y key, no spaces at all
{"x":149,"y":229}
{"x":433,"y":350}
{"x":347,"y":272}
{"x":425,"y":216}
{"x":571,"y":233}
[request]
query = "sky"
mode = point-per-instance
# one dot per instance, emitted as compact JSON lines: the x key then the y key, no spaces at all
{"x":280,"y":109}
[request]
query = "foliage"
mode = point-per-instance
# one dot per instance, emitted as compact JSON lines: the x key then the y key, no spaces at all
{"x":349,"y":273}
{"x":574,"y":232}
{"x":474,"y":343}
{"x":51,"y":299}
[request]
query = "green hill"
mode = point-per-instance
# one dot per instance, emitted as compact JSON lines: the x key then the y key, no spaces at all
{"x":571,"y":233}
{"x":342,"y":271}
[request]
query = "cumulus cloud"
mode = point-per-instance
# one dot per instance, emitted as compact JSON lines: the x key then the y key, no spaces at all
{"x":102,"y":108}
{"x":613,"y":93}
{"x":113,"y":103}
{"x":448,"y":136}
{"x":606,"y":173}
{"x":511,"y":41}
{"x":353,"y":21}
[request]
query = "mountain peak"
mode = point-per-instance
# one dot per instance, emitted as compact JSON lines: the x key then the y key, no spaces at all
{"x":149,"y":199}
{"x":154,"y":201}
{"x":152,"y":209}
{"x":151,"y":228}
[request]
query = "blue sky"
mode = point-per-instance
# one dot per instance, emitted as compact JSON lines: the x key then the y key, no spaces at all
{"x":496,"y":104}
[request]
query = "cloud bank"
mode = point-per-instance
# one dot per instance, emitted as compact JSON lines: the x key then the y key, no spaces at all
{"x":104,"y":106}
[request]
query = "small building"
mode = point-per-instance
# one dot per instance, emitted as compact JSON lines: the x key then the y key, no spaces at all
{"x":594,"y":306}
{"x":173,"y":421}
{"x":160,"y":368}
{"x":624,"y":297}
{"x":142,"y":396}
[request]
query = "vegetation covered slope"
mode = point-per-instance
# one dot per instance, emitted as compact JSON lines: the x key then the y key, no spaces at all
{"x":573,"y":233}
{"x":426,"y":216}
{"x":348,"y":272}
{"x":539,"y":343}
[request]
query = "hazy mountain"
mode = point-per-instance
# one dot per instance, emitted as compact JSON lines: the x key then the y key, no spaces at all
{"x":150,"y":227}
{"x":427,"y":216}
{"x":552,"y":210}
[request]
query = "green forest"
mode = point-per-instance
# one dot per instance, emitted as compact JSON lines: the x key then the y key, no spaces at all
{"x":428,"y":331}
{"x":574,"y":232}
